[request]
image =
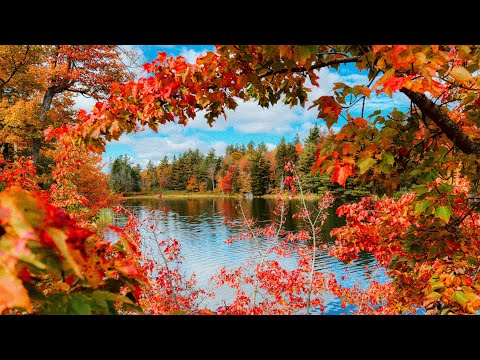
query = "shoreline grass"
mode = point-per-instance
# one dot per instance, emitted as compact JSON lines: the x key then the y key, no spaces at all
{"x":181,"y":194}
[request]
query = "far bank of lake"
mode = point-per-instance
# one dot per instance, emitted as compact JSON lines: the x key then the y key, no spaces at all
{"x":183,"y":194}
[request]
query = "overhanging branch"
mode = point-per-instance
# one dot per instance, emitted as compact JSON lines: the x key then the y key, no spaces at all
{"x":443,"y":121}
{"x":317,"y":65}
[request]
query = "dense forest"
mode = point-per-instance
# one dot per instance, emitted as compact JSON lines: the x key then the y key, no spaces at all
{"x":241,"y":170}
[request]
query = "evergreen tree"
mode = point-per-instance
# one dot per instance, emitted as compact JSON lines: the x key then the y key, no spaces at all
{"x":313,"y":135}
{"x":176,"y":174}
{"x":135,"y":174}
{"x":306,"y":160}
{"x":152,"y":174}
{"x":280,"y":160}
{"x":259,"y":171}
{"x":123,"y":175}
{"x":262,"y":147}
{"x":285,"y":153}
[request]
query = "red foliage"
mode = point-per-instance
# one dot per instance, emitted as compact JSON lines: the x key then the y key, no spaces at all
{"x":226,"y":181}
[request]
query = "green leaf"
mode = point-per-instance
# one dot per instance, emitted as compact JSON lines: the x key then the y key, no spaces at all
{"x":415,"y":172}
{"x":177,"y":312}
{"x":105,"y":295}
{"x":430,"y":176}
{"x":437,"y":285}
{"x":459,"y":297}
{"x":365,"y":164}
{"x":444,"y":311}
{"x":433,"y":296}
{"x":78,"y":305}
{"x":442,"y":150}
{"x":302,"y":53}
{"x":444,"y":213}
{"x":388,"y":158}
{"x":388,"y":132}
{"x":445,"y":187}
{"x":421,"y":189}
{"x":421,"y":206}
{"x":375,"y":113}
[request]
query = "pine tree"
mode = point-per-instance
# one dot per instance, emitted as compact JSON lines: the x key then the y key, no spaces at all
{"x":152,"y":174}
{"x":313,"y":135}
{"x":306,"y":160}
{"x":280,"y":160}
{"x":259,"y":171}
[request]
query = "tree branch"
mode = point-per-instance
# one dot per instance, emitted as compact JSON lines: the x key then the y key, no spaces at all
{"x":443,"y":121}
{"x":317,"y":65}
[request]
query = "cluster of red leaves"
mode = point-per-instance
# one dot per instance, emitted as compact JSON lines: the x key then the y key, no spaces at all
{"x":226,"y":181}
{"x":407,"y":242}
{"x":20,"y":172}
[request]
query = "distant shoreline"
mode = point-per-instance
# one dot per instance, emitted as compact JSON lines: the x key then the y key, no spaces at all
{"x":172,"y":194}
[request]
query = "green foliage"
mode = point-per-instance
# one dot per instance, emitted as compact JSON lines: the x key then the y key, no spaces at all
{"x":259,"y":173}
{"x":123,"y":175}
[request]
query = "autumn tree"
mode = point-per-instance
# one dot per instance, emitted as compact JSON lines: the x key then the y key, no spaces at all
{"x":152,"y":174}
{"x":192,"y":184}
{"x":164,"y":173}
{"x":226,"y":181}
{"x":33,"y":78}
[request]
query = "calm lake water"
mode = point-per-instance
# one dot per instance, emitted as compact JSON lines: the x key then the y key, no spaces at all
{"x":200,"y":227}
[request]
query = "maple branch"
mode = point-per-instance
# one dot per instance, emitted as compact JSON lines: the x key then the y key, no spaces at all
{"x":312,"y":225}
{"x":443,"y":121}
{"x":317,"y":65}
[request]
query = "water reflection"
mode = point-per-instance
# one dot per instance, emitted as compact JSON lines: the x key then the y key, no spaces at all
{"x":200,"y":227}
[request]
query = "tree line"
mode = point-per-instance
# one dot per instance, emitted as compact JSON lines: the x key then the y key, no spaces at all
{"x":242,"y":169}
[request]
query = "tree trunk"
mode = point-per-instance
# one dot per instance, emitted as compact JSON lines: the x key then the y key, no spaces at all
{"x":46,"y":105}
{"x":213,"y":182}
{"x":443,"y":121}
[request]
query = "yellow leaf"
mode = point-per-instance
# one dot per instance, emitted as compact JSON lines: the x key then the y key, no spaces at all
{"x":462,"y":75}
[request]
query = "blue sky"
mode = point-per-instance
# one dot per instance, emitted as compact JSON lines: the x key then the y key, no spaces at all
{"x":248,"y":122}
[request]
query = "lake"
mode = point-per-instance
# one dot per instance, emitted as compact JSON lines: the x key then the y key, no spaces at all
{"x":200,"y":226}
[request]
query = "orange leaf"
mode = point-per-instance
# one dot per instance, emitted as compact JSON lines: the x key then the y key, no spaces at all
{"x":346,"y":148}
{"x":320,"y":160}
{"x":360,"y":122}
{"x":341,"y":173}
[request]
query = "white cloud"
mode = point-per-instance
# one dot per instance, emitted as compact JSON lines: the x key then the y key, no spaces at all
{"x":155,"y":147}
{"x":219,"y":146}
{"x":124,"y":139}
{"x":134,"y":58}
{"x":83,"y":102}
{"x":270,"y":146}
{"x":191,"y":55}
